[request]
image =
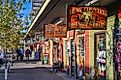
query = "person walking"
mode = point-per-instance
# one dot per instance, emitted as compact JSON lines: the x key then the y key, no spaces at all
{"x":92,"y":73}
{"x":18,"y":53}
{"x":21,"y":53}
{"x":80,"y":72}
{"x":96,"y":76}
{"x":27,"y":54}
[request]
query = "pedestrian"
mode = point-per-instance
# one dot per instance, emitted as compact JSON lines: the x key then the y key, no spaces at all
{"x":92,"y":73}
{"x":96,"y":77}
{"x":30,"y":52}
{"x":18,"y":53}
{"x":61,"y":66}
{"x":27,"y":53}
{"x":80,"y":72}
{"x":13,"y":59}
{"x":21,"y":53}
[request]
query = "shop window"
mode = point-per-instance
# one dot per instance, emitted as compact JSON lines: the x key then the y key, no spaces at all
{"x":100,"y":53}
{"x":81,"y":46}
{"x":72,"y":58}
{"x":118,"y":54}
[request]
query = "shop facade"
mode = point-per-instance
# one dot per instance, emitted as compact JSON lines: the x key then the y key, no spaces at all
{"x":47,"y":52}
{"x":85,"y":48}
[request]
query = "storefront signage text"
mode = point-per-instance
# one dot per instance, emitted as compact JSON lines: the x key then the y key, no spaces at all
{"x":55,"y":31}
{"x":86,"y":17}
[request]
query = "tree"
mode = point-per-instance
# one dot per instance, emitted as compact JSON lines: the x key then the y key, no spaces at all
{"x":12,"y":22}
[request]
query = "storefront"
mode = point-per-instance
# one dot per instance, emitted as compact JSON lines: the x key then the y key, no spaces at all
{"x":90,"y":48}
{"x":100,"y":52}
{"x":55,"y":52}
{"x":47,"y":52}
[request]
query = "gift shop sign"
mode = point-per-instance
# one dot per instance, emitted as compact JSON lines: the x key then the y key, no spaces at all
{"x":84,"y":17}
{"x":55,"y":31}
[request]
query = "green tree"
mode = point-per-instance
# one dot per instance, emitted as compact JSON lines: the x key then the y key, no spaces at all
{"x":12,"y":22}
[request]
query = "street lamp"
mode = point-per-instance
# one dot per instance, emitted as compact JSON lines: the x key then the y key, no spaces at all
{"x":6,"y":62}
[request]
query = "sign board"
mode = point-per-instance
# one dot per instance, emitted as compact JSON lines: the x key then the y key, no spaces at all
{"x":86,"y":17}
{"x":49,"y":30}
{"x":119,"y":12}
{"x":60,"y":31}
{"x":55,"y":31}
{"x":39,"y":35}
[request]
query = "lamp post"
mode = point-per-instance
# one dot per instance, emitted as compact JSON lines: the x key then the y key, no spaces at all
{"x":6,"y":62}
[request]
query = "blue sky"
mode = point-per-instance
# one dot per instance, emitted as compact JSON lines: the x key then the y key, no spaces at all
{"x":28,"y":7}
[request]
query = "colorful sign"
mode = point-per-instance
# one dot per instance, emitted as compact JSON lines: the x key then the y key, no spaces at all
{"x":60,"y":31}
{"x":49,"y":30}
{"x":80,"y":17}
{"x":55,"y":31}
{"x":39,"y":35}
{"x":119,"y":12}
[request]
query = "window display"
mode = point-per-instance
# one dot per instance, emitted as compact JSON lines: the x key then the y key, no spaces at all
{"x":72,"y":58}
{"x":81,"y":48}
{"x":67,"y":54}
{"x":118,"y":54}
{"x":101,"y":53}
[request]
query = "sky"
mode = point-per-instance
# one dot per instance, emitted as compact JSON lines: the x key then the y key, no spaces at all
{"x":28,"y":7}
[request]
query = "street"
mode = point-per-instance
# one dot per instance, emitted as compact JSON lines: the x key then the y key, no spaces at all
{"x":31,"y":73}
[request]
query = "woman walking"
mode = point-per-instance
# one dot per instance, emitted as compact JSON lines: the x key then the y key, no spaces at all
{"x":27,"y":53}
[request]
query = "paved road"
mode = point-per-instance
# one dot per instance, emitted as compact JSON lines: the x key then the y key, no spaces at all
{"x":30,"y":70}
{"x":31,"y":74}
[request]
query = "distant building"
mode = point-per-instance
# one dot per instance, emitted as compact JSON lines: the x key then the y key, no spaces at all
{"x":36,"y":4}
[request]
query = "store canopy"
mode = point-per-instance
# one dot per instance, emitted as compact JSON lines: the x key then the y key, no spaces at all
{"x":52,"y":9}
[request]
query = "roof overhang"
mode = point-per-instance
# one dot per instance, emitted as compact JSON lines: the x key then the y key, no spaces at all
{"x":51,"y":9}
{"x":38,"y":15}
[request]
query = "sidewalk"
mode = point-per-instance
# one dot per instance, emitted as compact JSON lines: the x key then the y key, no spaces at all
{"x":28,"y":64}
{"x":65,"y":76}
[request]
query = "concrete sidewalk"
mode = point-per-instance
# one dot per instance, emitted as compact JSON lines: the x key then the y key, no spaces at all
{"x":28,"y":64}
{"x":65,"y":76}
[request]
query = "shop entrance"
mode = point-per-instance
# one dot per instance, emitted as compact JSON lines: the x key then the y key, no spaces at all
{"x":100,"y":53}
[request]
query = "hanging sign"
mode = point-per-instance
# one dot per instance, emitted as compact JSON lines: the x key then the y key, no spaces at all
{"x":85,"y":17}
{"x":60,"y":31}
{"x":119,"y":12}
{"x":39,"y":35}
{"x":55,"y":31}
{"x":119,"y":16}
{"x":49,"y":31}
